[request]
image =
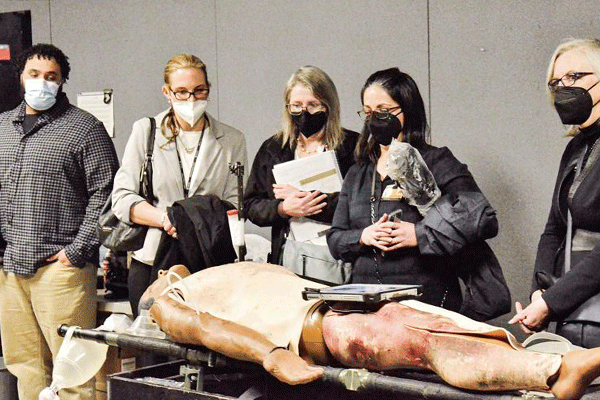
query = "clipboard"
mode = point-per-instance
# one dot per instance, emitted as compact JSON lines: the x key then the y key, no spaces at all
{"x":363,"y":293}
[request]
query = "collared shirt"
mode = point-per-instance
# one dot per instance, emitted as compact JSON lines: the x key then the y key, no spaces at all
{"x":54,"y":181}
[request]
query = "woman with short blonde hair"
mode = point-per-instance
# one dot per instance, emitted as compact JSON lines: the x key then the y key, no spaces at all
{"x":566,"y":277}
{"x":191,"y":156}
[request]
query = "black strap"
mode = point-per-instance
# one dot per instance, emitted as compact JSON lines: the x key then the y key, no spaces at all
{"x":146,"y":189}
{"x":574,"y":185}
{"x":150,"y":139}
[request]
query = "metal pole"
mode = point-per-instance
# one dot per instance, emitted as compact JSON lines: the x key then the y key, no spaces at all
{"x":361,"y":379}
{"x":158,"y":346}
{"x":238,"y":170}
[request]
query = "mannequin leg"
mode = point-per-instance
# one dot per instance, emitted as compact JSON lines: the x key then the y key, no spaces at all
{"x":396,"y":336}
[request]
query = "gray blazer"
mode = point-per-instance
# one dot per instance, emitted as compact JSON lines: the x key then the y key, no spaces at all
{"x":221,"y":145}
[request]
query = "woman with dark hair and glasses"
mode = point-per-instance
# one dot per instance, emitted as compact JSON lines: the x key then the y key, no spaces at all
{"x":566,"y":279}
{"x":413,"y":246}
{"x":310,"y":125}
{"x":192,"y":154}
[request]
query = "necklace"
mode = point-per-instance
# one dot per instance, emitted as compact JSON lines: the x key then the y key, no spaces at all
{"x":188,"y":150}
{"x":302,"y":148}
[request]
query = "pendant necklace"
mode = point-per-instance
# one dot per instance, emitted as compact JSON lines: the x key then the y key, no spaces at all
{"x":188,"y":150}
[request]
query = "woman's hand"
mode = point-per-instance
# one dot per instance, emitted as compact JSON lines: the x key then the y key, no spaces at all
{"x":534,"y":317}
{"x":289,"y":368}
{"x":168,"y":226}
{"x":302,"y":204}
{"x":282,"y":192}
{"x":403,"y":235}
{"x":378,"y":234}
{"x":388,"y":236}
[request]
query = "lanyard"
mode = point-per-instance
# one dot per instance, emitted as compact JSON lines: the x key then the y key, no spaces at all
{"x":373,"y":220}
{"x":186,"y":186}
{"x":376,"y":254}
{"x":372,"y":198}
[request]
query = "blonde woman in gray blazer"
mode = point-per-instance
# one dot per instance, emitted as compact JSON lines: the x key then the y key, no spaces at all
{"x":192,"y":153}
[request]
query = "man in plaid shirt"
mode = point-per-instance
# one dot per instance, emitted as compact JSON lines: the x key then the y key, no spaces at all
{"x":57,"y":165}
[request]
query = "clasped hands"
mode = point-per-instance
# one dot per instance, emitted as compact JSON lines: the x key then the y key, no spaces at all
{"x":297,"y":203}
{"x":387,"y":235}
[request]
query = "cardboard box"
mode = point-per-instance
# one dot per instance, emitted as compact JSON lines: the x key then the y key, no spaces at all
{"x":117,"y":360}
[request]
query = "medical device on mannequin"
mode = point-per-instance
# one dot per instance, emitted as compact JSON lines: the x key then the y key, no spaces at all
{"x":238,"y":236}
{"x":414,"y":179}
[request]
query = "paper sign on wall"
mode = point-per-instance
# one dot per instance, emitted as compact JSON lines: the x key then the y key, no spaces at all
{"x":100,"y":105}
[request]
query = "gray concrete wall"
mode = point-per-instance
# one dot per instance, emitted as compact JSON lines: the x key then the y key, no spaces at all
{"x":480,"y":66}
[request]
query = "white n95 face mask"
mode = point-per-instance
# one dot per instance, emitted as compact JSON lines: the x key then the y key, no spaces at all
{"x":40,"y":94}
{"x":190,"y":111}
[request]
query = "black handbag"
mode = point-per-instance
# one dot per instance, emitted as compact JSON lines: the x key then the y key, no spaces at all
{"x":117,"y":235}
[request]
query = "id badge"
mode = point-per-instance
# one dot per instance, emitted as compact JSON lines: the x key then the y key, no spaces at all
{"x":391,"y":192}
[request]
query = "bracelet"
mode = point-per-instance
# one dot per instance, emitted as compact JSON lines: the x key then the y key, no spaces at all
{"x":276,"y":348}
{"x":164,"y":216}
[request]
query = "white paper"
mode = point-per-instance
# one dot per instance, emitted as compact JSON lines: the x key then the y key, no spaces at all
{"x":318,"y":172}
{"x":93,"y":102}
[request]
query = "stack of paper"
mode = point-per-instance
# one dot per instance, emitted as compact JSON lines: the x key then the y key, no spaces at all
{"x":318,"y":172}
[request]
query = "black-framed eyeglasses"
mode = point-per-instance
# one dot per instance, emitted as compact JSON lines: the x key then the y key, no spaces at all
{"x":567,"y":79}
{"x":382,"y":113}
{"x":198,"y":94}
{"x":296,"y":109}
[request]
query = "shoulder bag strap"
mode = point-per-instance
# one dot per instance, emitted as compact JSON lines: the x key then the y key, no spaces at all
{"x":146,"y":189}
{"x":150,"y":139}
{"x":569,"y":238}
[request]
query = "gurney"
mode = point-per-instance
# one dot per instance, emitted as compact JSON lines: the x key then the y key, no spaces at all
{"x":200,"y":373}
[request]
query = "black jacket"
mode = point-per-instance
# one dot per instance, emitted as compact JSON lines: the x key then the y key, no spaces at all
{"x":583,"y":281}
{"x":203,"y":234}
{"x":461,"y":216}
{"x":259,"y":201}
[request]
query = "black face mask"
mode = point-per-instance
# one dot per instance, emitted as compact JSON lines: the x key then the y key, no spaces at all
{"x":384,"y":130}
{"x":573,"y":104}
{"x":309,"y":124}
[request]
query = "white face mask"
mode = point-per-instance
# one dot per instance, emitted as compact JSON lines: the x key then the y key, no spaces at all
{"x":40,"y":94}
{"x":190,"y":111}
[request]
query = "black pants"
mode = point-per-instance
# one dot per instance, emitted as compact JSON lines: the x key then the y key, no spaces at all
{"x":583,"y":334}
{"x":140,"y":277}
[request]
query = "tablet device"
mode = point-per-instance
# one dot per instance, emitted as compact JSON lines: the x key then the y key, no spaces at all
{"x":362,"y":292}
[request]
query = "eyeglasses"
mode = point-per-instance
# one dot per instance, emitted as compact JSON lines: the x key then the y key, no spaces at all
{"x":382,"y":113}
{"x":198,"y":94}
{"x":296,"y":109}
{"x":567,"y":79}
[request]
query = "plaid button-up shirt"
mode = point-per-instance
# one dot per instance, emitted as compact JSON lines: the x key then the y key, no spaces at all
{"x":54,"y":181}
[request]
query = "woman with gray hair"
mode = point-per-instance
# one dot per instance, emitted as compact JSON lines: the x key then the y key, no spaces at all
{"x":310,"y":125}
{"x":566,"y":279}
